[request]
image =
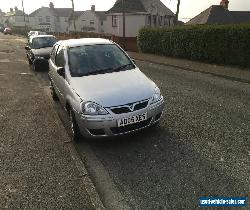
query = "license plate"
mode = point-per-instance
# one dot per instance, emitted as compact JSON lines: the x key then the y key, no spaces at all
{"x":132,"y":120}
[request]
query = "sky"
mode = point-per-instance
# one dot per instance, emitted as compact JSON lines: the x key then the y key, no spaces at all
{"x":188,"y":8}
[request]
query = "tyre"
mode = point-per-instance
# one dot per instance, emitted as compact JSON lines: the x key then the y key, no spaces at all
{"x":30,"y":62}
{"x":74,"y":129}
{"x":53,"y":92}
{"x":34,"y":66}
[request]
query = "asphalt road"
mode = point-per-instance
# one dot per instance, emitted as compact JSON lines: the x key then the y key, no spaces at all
{"x":200,"y":148}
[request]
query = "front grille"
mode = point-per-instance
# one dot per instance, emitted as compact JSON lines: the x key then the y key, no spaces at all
{"x":126,"y":109}
{"x":120,"y":110}
{"x":141,"y":105}
{"x":97,"y":132}
{"x":132,"y":127}
{"x":47,"y":57}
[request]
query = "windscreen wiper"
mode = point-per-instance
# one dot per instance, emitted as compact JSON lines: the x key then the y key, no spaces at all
{"x":99,"y":71}
{"x":123,"y":67}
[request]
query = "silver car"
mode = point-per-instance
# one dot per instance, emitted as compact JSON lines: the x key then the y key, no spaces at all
{"x":102,"y":89}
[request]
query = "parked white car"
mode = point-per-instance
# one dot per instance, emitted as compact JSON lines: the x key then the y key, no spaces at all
{"x":102,"y":89}
{"x":36,"y":33}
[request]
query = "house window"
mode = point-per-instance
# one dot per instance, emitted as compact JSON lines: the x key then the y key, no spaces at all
{"x":83,"y":20}
{"x":114,"y":20}
{"x":149,"y":20}
{"x":160,"y":19}
{"x":154,"y":20}
{"x":40,"y":19}
{"x":92,"y":22}
{"x":101,"y":22}
{"x":47,"y":19}
{"x":167,"y":21}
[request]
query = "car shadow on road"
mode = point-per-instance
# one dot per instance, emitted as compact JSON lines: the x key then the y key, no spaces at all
{"x":160,"y":171}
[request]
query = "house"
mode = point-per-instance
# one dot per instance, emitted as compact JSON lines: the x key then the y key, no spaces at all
{"x":51,"y":19}
{"x":219,"y":14}
{"x":138,"y":13}
{"x":90,"y":21}
{"x":15,"y":18}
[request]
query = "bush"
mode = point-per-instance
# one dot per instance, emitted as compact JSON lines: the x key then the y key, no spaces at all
{"x":222,"y":44}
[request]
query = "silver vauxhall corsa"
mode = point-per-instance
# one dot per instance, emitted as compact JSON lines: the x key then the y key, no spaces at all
{"x":102,"y":89}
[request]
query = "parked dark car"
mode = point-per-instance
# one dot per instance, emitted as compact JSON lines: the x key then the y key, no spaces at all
{"x":1,"y":29}
{"x":7,"y":31}
{"x":38,"y":50}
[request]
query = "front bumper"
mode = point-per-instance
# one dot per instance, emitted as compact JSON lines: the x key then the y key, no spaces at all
{"x":41,"y":62}
{"x":106,"y":126}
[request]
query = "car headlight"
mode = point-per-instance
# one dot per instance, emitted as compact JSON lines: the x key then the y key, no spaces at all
{"x":157,"y":96}
{"x":91,"y":108}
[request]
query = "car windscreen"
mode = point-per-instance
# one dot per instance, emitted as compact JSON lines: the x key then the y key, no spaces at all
{"x":42,"y":42}
{"x":97,"y":59}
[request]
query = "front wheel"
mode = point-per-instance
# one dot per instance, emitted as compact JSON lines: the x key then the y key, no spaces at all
{"x":53,"y":92}
{"x":74,"y":129}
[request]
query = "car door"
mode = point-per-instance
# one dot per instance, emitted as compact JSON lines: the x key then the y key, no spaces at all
{"x":53,"y":67}
{"x":59,"y":79}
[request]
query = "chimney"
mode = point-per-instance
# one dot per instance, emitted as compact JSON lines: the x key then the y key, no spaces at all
{"x":93,"y":8}
{"x":51,"y":5}
{"x":224,"y":3}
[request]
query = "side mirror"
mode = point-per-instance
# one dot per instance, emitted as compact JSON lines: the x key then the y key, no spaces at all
{"x":27,"y":47}
{"x":61,"y":71}
{"x":134,"y":61}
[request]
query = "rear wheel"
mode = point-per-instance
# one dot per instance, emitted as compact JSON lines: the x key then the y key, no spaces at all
{"x":30,"y":62}
{"x":74,"y":129}
{"x":34,"y":66}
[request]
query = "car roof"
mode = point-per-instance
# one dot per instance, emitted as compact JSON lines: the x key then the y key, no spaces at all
{"x":84,"y":41}
{"x":41,"y":36}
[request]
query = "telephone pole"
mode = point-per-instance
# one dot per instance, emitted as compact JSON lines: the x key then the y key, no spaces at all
{"x":24,"y":17}
{"x":124,"y":25}
{"x":73,"y":15}
{"x":177,"y":12}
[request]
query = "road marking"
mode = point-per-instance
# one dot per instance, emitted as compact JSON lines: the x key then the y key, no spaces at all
{"x":24,"y":73}
{"x":4,"y":60}
{"x":20,"y":60}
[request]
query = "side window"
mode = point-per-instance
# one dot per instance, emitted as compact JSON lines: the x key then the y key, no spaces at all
{"x":30,"y":42}
{"x":53,"y":53}
{"x":60,"y":61}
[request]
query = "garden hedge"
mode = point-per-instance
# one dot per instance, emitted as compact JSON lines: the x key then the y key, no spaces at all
{"x":222,"y":44}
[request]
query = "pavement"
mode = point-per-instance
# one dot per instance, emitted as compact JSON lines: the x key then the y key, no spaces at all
{"x":200,"y":148}
{"x":233,"y":73}
{"x":40,"y":168}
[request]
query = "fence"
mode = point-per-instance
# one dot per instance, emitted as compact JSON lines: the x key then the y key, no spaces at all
{"x":129,"y":44}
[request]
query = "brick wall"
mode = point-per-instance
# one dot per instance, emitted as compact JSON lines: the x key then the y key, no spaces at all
{"x":130,"y":42}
